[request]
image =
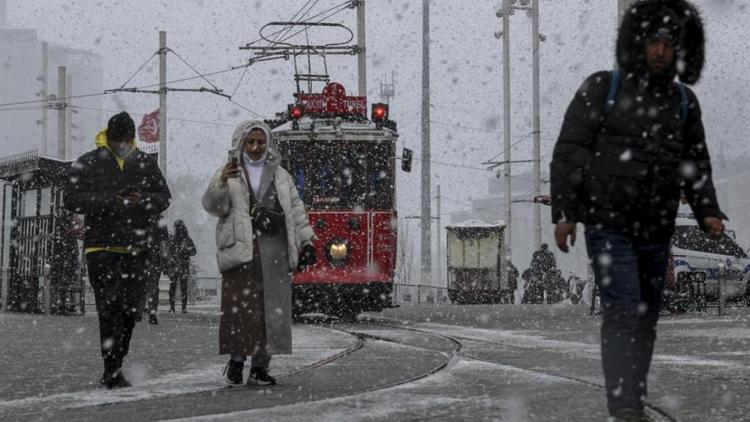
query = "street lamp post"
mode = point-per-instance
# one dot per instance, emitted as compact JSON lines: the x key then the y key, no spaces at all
{"x":508,"y":8}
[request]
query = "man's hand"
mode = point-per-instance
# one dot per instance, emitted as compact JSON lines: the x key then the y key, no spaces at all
{"x":230,"y":171}
{"x":129,"y":199}
{"x":714,"y":227}
{"x":562,"y":232}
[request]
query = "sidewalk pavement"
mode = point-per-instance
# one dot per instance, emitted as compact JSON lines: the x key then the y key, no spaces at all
{"x":54,"y":362}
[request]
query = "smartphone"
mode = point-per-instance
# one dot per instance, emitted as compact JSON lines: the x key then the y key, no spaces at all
{"x":233,"y":157}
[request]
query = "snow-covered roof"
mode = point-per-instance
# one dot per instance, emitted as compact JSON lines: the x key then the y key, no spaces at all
{"x":478,"y":223}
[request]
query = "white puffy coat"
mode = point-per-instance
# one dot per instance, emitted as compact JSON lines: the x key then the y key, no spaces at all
{"x":230,"y":201}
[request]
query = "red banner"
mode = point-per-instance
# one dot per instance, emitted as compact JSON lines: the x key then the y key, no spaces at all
{"x":333,"y":100}
{"x":148,"y":131}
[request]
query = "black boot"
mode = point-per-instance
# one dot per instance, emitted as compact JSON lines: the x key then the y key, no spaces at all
{"x":152,"y":319}
{"x":233,"y":371}
{"x":259,"y":376}
{"x":113,"y":378}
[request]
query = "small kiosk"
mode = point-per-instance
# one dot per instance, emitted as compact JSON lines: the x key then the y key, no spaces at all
{"x":39,"y":247}
{"x":475,"y":264}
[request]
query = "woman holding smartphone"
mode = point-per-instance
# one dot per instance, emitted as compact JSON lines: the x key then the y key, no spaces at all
{"x":262,"y":236}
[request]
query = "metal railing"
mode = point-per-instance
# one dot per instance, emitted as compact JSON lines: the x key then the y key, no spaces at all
{"x":404,"y":294}
{"x":4,"y":283}
{"x":208,"y":289}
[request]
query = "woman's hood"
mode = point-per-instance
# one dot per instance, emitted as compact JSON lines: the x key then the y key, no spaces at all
{"x":246,"y":127}
{"x":678,"y":17}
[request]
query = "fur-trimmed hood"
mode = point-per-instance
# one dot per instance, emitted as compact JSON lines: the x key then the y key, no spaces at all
{"x":679,"y":17}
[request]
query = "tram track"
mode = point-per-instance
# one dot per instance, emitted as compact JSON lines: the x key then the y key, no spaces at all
{"x":662,"y":413}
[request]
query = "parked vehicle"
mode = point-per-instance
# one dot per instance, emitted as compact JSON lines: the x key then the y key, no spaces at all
{"x":696,"y":263}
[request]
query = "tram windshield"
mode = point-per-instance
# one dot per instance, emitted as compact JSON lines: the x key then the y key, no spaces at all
{"x":335,"y":175}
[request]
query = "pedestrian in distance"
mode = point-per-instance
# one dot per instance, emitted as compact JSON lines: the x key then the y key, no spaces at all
{"x":512,"y":281}
{"x":630,"y":141}
{"x":119,"y":190}
{"x":181,"y":248}
{"x":543,"y":261}
{"x":156,"y":254}
{"x":262,"y":236}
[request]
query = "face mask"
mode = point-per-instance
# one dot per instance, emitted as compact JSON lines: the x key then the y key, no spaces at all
{"x":122,"y":150}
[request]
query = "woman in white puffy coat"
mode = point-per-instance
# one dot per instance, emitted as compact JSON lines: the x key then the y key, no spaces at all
{"x":262,"y":236}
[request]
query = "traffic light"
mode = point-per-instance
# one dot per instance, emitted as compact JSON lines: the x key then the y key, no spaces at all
{"x":295,"y":111}
{"x":379,"y":112}
{"x":406,"y":160}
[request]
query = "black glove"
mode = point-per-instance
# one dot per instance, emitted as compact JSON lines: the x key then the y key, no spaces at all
{"x":307,"y":256}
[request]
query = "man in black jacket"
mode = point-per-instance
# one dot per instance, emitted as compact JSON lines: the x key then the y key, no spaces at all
{"x":631,"y":142}
{"x":120,"y":190}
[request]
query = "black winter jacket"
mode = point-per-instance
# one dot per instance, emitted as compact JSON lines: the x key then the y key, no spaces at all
{"x":625,"y":168}
{"x":181,"y":248}
{"x":95,"y":181}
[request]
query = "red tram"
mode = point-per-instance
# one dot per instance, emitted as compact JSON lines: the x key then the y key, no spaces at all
{"x":344,"y":167}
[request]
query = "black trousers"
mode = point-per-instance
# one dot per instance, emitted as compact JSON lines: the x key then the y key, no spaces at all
{"x":630,"y":275}
{"x":182,"y":279}
{"x":150,"y":298}
{"x":117,"y":280}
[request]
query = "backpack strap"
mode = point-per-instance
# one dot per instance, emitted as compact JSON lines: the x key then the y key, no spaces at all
{"x":611,"y":96}
{"x":615,"y":82}
{"x":683,"y":101}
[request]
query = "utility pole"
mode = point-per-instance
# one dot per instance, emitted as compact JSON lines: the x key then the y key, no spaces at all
{"x":439,"y":241}
{"x":68,"y":118}
{"x":62,"y":99}
{"x":507,"y":8}
{"x":535,"y":38}
{"x":163,"y":102}
{"x":45,"y":76}
{"x":426,"y":250}
{"x":362,"y":50}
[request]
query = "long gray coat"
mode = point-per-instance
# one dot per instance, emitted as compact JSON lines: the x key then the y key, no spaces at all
{"x":241,"y":330}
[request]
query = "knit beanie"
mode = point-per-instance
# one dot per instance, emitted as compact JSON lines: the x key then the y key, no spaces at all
{"x":121,"y":127}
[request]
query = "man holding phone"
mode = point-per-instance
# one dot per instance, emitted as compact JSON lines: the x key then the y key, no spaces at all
{"x":121,"y":192}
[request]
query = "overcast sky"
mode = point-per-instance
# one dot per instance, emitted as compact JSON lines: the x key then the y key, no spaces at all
{"x":466,"y":72}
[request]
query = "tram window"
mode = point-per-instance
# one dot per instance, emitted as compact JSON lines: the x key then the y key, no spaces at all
{"x":325,"y":178}
{"x":293,"y":160}
{"x":336,"y":175}
{"x":353,"y":165}
{"x":379,"y":177}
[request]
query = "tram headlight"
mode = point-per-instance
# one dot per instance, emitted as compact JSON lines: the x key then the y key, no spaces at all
{"x":338,"y":252}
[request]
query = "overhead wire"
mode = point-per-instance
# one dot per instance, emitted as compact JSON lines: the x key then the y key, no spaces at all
{"x":330,"y":15}
{"x":193,"y":69}
{"x":179,"y":119}
{"x":341,"y":7}
{"x":139,"y":69}
{"x":345,"y":4}
{"x":287,"y":28}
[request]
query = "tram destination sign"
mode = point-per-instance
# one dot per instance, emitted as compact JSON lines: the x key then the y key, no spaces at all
{"x":333,"y":101}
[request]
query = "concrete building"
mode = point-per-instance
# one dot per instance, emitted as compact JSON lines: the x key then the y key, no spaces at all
{"x":21,"y":81}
